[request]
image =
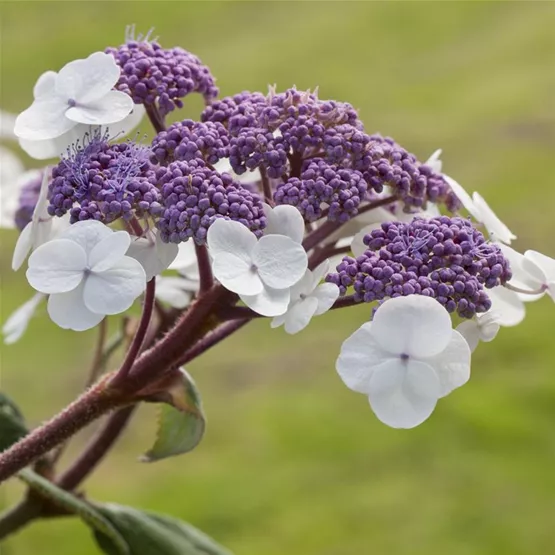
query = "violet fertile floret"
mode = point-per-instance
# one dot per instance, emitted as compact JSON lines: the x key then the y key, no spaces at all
{"x":320,"y":186}
{"x":104,"y":182}
{"x":152,"y":75}
{"x":194,"y":196}
{"x":188,"y":139}
{"x":28,"y":198}
{"x":445,"y":258}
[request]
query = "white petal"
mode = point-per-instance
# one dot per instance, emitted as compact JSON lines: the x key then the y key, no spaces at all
{"x":403,"y":394}
{"x":497,"y":229}
{"x":299,"y":315}
{"x":303,"y":287}
{"x":186,"y":258}
{"x":489,"y":327}
{"x":470,"y":330}
{"x":108,"y":252}
{"x":284,"y":220}
{"x":360,"y":354}
{"x":88,"y":80}
{"x":525,"y":275}
{"x":111,"y":108}
{"x":125,"y":126}
{"x":280,"y":261}
{"x":326,"y":294}
{"x":44,"y":119}
{"x":18,"y":321}
{"x":45,"y":85}
{"x":452,"y":365}
{"x":464,"y":197}
{"x":57,"y":266}
{"x":154,"y":255}
{"x":236,"y":274}
{"x":56,"y":147}
{"x":87,"y":233}
{"x":434,"y":161}
{"x":7,"y":124}
{"x":68,"y":311}
{"x":22,"y":247}
{"x":247,"y":178}
{"x":543,"y":262}
{"x":278,"y":321}
{"x":173,"y":291}
{"x":506,"y":307}
{"x":270,"y":302}
{"x":114,"y":290}
{"x":229,"y":236}
{"x":320,"y":272}
{"x":415,"y":325}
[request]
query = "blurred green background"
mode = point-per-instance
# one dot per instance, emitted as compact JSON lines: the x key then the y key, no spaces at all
{"x":292,"y":461}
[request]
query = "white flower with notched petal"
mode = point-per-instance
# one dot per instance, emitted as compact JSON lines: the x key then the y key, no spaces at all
{"x":284,"y":220}
{"x":87,"y":275}
{"x":308,"y":299}
{"x":80,"y":93}
{"x":405,"y":360}
{"x":261,"y":271}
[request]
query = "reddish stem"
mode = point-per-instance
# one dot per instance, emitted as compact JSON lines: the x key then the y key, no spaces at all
{"x":204,"y":268}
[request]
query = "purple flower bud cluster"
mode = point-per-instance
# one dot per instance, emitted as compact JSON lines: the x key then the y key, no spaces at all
{"x":384,"y":162}
{"x":445,"y":258}
{"x":28,"y":198}
{"x":321,"y":183}
{"x":194,"y":196}
{"x":104,"y":182}
{"x":188,"y":140}
{"x":150,"y":74}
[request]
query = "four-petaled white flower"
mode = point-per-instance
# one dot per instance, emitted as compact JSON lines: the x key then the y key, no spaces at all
{"x":81,"y":93}
{"x":41,"y":229}
{"x":308,"y":299}
{"x":284,"y":220}
{"x":87,"y":275}
{"x":405,"y":360}
{"x":261,"y":271}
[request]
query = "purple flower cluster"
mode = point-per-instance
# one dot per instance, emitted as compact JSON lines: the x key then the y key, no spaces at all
{"x":188,"y":140}
{"x":150,"y":74}
{"x":281,"y":133}
{"x":28,"y":198}
{"x":104,"y":182}
{"x":342,"y":190}
{"x":194,"y":196}
{"x":445,"y":258}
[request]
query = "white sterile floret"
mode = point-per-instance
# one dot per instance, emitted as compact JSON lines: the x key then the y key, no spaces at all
{"x":154,"y":255}
{"x":308,"y":299}
{"x":261,"y":271}
{"x":405,"y":360}
{"x":80,"y":93}
{"x":175,"y":291}
{"x":247,"y":178}
{"x":11,"y":171}
{"x":284,"y":220}
{"x":40,"y":229}
{"x":53,"y":148}
{"x":16,"y":324}
{"x":483,"y":327}
{"x":87,"y":274}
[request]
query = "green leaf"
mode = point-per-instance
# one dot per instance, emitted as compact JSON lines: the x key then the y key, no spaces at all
{"x":181,"y":419}
{"x":153,"y":534}
{"x":12,"y":424}
{"x":74,"y":505}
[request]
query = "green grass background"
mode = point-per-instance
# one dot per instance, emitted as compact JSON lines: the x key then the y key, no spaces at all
{"x":293,"y":462}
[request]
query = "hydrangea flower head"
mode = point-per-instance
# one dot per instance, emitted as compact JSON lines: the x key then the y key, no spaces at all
{"x":444,"y":258}
{"x":405,"y":359}
{"x":104,"y":182}
{"x":154,"y":75}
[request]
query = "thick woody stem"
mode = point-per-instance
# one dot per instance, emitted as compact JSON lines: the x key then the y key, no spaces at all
{"x":88,"y":407}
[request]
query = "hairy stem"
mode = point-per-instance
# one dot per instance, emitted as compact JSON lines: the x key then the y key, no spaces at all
{"x":204,"y":268}
{"x":18,"y":516}
{"x":155,"y":117}
{"x":140,"y":335}
{"x":86,"y":408}
{"x":95,"y":451}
